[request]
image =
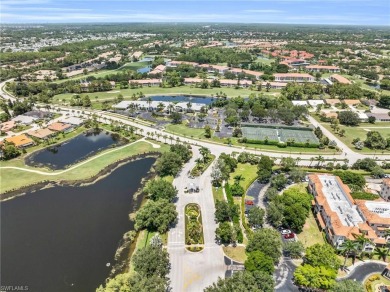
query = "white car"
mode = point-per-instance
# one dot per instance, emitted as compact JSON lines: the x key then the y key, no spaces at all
{"x":285,"y":231}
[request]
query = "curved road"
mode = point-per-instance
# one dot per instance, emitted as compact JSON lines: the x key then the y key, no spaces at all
{"x":219,"y":148}
{"x":361,"y":272}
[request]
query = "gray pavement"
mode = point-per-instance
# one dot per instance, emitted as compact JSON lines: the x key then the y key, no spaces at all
{"x":194,"y":271}
{"x":361,"y":271}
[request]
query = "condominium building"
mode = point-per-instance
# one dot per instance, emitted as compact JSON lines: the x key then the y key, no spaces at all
{"x":293,"y":77}
{"x":385,"y":189}
{"x":341,"y":217}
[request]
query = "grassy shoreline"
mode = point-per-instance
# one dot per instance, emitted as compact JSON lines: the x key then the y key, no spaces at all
{"x":86,"y":170}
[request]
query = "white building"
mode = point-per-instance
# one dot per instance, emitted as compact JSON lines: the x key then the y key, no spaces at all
{"x":385,"y":189}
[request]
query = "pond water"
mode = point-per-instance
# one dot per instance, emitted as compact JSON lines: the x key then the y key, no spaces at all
{"x":74,"y":150}
{"x":183,"y":98}
{"x":60,"y":239}
{"x":144,"y":70}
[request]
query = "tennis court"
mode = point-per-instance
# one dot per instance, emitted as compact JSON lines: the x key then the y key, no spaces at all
{"x":300,"y":136}
{"x":280,"y":135}
{"x":259,"y":133}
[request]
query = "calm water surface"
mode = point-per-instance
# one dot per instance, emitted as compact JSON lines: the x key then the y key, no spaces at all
{"x":74,"y":150}
{"x":60,"y":239}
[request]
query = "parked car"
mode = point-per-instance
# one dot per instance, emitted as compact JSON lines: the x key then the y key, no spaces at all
{"x":289,"y":235}
{"x":285,"y":231}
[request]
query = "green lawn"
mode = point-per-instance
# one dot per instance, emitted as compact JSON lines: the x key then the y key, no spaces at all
{"x":311,"y":234}
{"x":13,"y":178}
{"x":361,"y":132}
{"x":236,"y":253}
{"x":218,"y":194}
{"x":155,"y":90}
{"x":103,"y":73}
{"x":248,"y":171}
{"x":185,"y":131}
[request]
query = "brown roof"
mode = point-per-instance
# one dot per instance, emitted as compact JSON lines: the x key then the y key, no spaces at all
{"x":351,"y":101}
{"x":332,"y":101}
{"x":6,"y":126}
{"x":41,"y":133}
{"x":340,"y":79}
{"x":371,"y":217}
{"x":20,"y":140}
{"x":58,"y":127}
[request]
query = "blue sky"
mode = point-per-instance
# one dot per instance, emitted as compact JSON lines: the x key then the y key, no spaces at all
{"x":353,"y":12}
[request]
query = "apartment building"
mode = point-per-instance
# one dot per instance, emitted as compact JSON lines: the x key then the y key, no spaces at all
{"x":342,"y":218}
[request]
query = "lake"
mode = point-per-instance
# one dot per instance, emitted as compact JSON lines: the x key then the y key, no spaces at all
{"x":181,"y":98}
{"x":60,"y":239}
{"x":74,"y":150}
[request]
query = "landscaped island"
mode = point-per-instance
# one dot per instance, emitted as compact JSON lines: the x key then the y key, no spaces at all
{"x":194,"y":228}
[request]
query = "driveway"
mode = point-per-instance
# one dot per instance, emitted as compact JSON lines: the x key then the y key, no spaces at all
{"x":364,"y":270}
{"x":195,"y":271}
{"x":283,"y":276}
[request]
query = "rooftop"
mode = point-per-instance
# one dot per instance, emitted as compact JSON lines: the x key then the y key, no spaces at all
{"x":339,"y":202}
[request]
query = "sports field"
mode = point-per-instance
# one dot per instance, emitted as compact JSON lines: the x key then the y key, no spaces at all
{"x":300,"y":136}
{"x":259,"y":133}
{"x":280,"y":135}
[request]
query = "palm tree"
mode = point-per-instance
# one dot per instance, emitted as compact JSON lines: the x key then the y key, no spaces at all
{"x":204,"y":152}
{"x":158,"y":135}
{"x":171,"y":138}
{"x":238,"y":178}
{"x":149,"y":101}
{"x":320,"y":159}
{"x":361,"y":240}
{"x":165,"y":138}
{"x":311,"y":161}
{"x":381,"y":252}
{"x":297,"y":160}
{"x":347,"y":248}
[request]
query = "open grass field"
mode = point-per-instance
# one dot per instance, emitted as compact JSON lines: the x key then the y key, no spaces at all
{"x":218,"y":194}
{"x":185,"y":131}
{"x":248,"y":172}
{"x":155,"y":90}
{"x":11,"y":179}
{"x":236,"y":253}
{"x":311,"y":234}
{"x":361,"y":132}
{"x":103,"y":73}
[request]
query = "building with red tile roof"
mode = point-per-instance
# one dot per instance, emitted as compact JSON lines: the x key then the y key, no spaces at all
{"x":41,"y":133}
{"x":340,"y":79}
{"x":60,"y":127}
{"x":342,"y":218}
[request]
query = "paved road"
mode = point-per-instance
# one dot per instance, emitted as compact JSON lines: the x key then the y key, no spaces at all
{"x":194,"y":271}
{"x":362,"y":271}
{"x":284,"y":276}
{"x":219,"y":148}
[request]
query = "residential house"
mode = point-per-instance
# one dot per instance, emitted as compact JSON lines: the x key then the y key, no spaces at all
{"x":147,"y":82}
{"x":340,"y":79}
{"x":61,"y":127}
{"x":43,"y":134}
{"x":7,"y":126}
{"x":25,"y":120}
{"x":20,"y":141}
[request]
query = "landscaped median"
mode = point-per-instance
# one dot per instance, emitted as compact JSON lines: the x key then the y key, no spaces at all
{"x":194,"y":228}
